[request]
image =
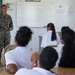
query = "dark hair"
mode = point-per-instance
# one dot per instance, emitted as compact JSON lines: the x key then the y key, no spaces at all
{"x":3,"y":6}
{"x":68,"y":53}
{"x":53,"y":37}
{"x":23,"y":36}
{"x":48,"y":58}
{"x":64,"y":28}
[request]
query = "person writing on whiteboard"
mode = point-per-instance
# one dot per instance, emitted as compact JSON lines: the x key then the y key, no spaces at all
{"x":50,"y":38}
{"x":6,"y":25}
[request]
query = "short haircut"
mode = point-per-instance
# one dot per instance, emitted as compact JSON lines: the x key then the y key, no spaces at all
{"x":48,"y":58}
{"x":3,"y":6}
{"x":23,"y":36}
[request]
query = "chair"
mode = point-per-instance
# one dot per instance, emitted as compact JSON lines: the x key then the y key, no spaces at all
{"x":53,"y":45}
{"x":7,"y":48}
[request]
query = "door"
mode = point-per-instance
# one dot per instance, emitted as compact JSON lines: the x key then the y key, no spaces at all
{"x":0,"y":5}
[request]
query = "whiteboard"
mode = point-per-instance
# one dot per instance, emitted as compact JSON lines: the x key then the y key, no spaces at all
{"x":35,"y":14}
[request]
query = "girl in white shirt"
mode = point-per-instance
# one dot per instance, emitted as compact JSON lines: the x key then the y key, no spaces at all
{"x":50,"y":38}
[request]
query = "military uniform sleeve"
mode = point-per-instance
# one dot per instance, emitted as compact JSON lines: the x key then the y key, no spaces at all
{"x":11,"y":23}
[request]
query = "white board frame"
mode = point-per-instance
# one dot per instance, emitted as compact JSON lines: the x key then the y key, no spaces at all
{"x":41,"y":14}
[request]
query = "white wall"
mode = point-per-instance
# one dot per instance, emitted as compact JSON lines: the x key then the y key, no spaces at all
{"x":37,"y":31}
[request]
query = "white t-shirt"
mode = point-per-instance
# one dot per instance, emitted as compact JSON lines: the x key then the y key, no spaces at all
{"x":59,"y":51}
{"x":20,"y":56}
{"x":46,"y":39}
{"x":34,"y":71}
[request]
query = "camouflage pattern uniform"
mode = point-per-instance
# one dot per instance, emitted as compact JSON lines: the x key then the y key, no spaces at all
{"x":5,"y":24}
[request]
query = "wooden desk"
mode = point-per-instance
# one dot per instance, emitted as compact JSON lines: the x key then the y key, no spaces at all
{"x":64,"y":71}
{"x":5,"y":73}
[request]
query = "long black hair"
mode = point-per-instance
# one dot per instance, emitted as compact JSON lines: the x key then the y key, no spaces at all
{"x":51,"y":25}
{"x":68,"y":54}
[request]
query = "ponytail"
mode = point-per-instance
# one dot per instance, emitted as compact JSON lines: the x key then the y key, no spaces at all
{"x":53,"y":37}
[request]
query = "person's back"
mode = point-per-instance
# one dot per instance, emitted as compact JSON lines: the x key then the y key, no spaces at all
{"x":51,"y":37}
{"x":59,"y":48}
{"x":20,"y":56}
{"x":46,"y":61}
{"x":67,"y":59}
{"x":34,"y":71}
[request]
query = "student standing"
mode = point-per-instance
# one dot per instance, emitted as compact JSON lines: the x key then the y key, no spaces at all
{"x":6,"y":25}
{"x":50,"y":38}
{"x":47,"y":61}
{"x":19,"y":57}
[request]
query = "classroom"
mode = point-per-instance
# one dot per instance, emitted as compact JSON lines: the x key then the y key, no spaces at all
{"x":55,"y":18}
{"x":36,"y":15}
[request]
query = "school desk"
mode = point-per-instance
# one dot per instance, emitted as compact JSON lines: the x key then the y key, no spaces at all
{"x":64,"y":71}
{"x":5,"y":73}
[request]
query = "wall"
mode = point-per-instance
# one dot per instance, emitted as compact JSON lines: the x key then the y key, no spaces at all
{"x":34,"y":44}
{"x":0,"y":4}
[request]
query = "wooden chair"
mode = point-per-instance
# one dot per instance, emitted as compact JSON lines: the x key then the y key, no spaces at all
{"x":7,"y":48}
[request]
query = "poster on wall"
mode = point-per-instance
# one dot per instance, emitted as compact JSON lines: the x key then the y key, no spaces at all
{"x":11,"y":10}
{"x":64,"y":15}
{"x":10,"y":6}
{"x":70,"y":11}
{"x":61,"y":15}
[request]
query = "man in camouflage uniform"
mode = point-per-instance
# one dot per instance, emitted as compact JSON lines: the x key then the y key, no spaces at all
{"x":6,"y":25}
